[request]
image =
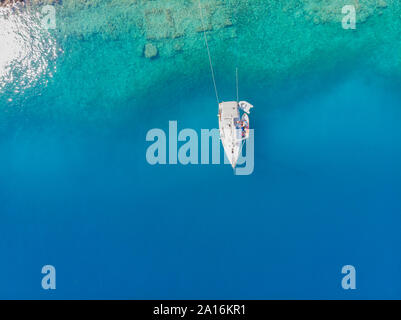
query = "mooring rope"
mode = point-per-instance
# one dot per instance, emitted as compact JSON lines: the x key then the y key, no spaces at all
{"x":208,"y":52}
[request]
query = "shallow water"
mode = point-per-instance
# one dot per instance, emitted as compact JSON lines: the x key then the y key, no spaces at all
{"x":76,"y":191}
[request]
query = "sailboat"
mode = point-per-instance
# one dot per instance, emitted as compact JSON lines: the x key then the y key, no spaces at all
{"x":234,"y":128}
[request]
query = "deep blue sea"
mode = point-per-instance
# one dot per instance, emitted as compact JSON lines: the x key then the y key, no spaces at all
{"x":77,"y":193}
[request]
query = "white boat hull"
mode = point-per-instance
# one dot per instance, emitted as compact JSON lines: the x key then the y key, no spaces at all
{"x":230,"y":131}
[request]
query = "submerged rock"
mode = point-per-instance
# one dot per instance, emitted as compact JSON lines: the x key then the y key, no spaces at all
{"x":382,"y":4}
{"x":330,"y":10}
{"x":150,"y":51}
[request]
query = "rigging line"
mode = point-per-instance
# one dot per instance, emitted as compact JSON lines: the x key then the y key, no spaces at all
{"x":208,"y":52}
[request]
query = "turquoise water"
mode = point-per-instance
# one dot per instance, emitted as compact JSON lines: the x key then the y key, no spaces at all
{"x":76,"y":191}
